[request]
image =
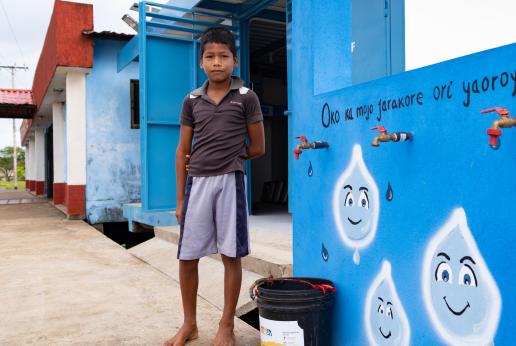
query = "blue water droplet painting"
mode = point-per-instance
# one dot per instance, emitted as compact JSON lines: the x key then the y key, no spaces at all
{"x":324,"y":253}
{"x":389,"y":195}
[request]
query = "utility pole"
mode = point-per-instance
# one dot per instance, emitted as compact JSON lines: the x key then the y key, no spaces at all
{"x":15,"y":163}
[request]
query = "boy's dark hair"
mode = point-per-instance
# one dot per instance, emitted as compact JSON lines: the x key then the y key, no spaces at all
{"x":221,"y":35}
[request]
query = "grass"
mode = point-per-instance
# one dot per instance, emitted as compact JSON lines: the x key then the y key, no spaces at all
{"x":10,"y":185}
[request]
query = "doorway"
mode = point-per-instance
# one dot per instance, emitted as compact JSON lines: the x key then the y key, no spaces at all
{"x":268,"y":75}
{"x":49,"y":162}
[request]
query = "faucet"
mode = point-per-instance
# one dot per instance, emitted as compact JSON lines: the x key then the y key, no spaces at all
{"x":505,"y":121}
{"x":306,"y":145}
{"x":394,"y":137}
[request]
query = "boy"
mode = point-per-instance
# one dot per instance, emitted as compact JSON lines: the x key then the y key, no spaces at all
{"x":211,"y":201}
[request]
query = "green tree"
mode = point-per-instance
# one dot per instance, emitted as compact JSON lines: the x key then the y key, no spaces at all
{"x":6,"y":163}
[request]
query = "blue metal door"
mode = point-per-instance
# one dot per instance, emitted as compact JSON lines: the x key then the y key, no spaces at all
{"x":288,"y":10}
{"x":169,"y":69}
{"x":378,"y":39}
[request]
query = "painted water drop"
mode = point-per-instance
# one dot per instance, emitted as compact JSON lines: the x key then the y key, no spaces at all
{"x":324,"y":253}
{"x":385,"y":318}
{"x":310,"y":169}
{"x":389,"y":195}
{"x":356,"y":203}
{"x":459,"y":292}
{"x":356,"y":257}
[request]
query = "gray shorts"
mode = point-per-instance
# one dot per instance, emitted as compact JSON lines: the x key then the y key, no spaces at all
{"x":214,"y":217}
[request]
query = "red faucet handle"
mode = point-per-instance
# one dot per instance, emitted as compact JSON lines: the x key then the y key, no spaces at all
{"x":381,"y":129}
{"x":297,"y":152}
{"x":493,"y":137}
{"x":503,"y":112}
{"x":303,"y":139}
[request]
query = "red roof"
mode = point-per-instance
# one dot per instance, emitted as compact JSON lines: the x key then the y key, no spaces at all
{"x":65,"y":45}
{"x":16,"y":97}
{"x":16,"y":103}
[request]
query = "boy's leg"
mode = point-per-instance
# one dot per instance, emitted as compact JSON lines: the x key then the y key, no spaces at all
{"x":189,"y":282}
{"x":232,"y":243}
{"x":197,"y":239}
{"x":232,"y":283}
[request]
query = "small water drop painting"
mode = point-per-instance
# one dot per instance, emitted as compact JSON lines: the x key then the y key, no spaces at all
{"x":385,"y":319}
{"x":356,"y":205}
{"x":389,"y":195}
{"x":460,"y":294}
{"x":310,"y":169}
{"x":324,"y":253}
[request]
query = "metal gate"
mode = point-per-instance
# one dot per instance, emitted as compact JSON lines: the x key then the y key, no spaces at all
{"x":169,"y":69}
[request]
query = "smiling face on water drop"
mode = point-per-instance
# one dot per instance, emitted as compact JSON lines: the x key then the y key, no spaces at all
{"x":460,"y":293}
{"x":386,"y":321}
{"x":456,"y":296}
{"x":354,"y":211}
{"x":356,"y":203}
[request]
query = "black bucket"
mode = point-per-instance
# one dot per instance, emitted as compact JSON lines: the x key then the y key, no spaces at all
{"x":295,"y":311}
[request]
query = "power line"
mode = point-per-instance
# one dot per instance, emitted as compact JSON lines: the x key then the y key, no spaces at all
{"x":12,"y":32}
{"x":3,"y":60}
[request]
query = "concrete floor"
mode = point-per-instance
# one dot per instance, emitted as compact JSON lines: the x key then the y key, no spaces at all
{"x":64,"y":283}
{"x":277,"y":223}
{"x":11,"y":196}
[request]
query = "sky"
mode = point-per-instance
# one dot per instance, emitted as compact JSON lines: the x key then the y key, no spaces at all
{"x":435,"y":31}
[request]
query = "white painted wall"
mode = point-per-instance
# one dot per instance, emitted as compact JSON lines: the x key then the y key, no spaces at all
{"x":32,"y":159}
{"x":27,"y":161}
{"x":40,"y":155}
{"x":76,"y":128}
{"x":59,"y":141}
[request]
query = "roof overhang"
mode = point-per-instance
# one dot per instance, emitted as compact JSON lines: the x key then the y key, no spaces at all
{"x":16,"y":104}
{"x":65,"y":47}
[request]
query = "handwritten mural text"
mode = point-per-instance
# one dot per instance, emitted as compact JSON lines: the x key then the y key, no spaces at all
{"x":440,"y":92}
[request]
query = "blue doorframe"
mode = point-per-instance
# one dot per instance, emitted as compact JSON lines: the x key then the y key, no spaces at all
{"x":290,"y":100}
{"x":245,"y":16}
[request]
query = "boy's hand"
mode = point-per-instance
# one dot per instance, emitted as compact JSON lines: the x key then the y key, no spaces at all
{"x":256,"y":147}
{"x":187,"y":162}
{"x":179,"y":211}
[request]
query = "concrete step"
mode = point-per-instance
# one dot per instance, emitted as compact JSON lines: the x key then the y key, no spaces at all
{"x":271,"y":251}
{"x":161,"y":254}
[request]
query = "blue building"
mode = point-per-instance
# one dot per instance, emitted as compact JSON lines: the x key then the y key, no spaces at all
{"x":408,"y":209}
{"x":263,"y":30}
{"x":112,"y":140}
{"x":401,"y":210}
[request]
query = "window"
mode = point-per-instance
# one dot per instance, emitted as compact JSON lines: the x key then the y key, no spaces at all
{"x":135,"y":104}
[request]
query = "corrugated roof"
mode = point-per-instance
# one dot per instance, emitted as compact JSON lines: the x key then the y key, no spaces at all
{"x":108,"y":34}
{"x":16,"y":103}
{"x":16,"y":97}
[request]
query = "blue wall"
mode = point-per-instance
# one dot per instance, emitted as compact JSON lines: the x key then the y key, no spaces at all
{"x":113,"y":148}
{"x":452,"y":193}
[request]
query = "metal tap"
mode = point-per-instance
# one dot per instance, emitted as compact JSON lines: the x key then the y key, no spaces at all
{"x":306,"y":145}
{"x":393,"y":137}
{"x":505,"y":121}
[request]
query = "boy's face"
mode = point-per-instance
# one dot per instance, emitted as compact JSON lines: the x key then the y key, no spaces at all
{"x":218,"y":62}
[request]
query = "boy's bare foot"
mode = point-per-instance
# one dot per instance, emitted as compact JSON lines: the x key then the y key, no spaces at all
{"x":225,"y":336}
{"x":186,"y":333}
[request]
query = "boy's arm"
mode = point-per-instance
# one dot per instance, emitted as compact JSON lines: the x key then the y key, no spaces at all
{"x":184,"y":148}
{"x":256,"y":147}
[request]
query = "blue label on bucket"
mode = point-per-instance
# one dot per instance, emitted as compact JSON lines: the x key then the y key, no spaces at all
{"x":280,"y":333}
